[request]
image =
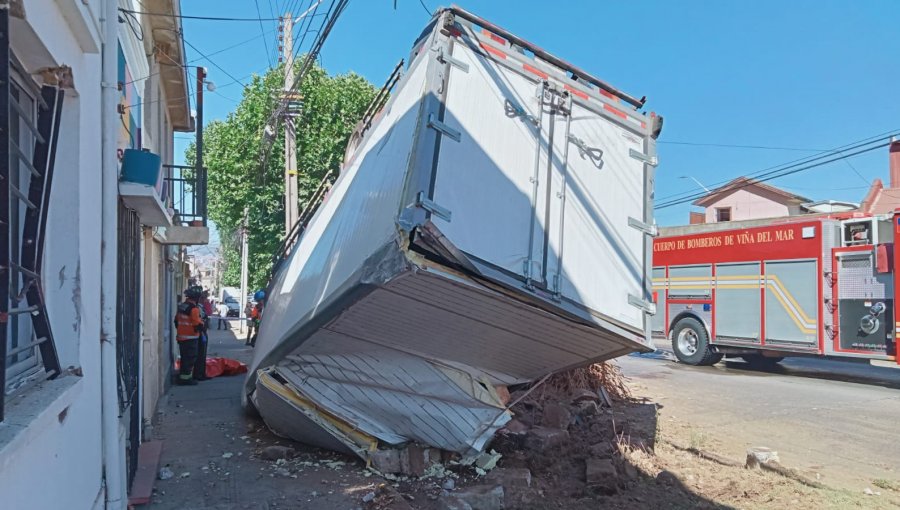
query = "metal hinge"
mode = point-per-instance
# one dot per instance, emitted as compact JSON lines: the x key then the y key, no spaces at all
{"x":437,"y":125}
{"x":650,"y":160}
{"x":650,"y":230}
{"x":427,"y":204}
{"x":643,"y":304}
{"x":455,"y":62}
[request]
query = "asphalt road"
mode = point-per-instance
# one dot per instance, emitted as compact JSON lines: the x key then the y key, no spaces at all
{"x":835,"y":421}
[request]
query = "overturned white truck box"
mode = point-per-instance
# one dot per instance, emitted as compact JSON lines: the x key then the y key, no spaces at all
{"x":491,"y":224}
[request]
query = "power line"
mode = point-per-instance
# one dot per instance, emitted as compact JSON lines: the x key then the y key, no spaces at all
{"x":735,"y":146}
{"x":772,"y":175}
{"x":262,"y":32}
{"x":427,"y":10}
{"x":795,"y":162}
{"x":184,"y":16}
{"x":211,"y":61}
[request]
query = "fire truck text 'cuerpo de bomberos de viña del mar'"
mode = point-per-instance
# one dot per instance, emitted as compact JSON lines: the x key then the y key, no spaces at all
{"x":766,"y":289}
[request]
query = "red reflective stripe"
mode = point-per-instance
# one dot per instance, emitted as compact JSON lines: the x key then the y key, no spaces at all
{"x":643,"y":125}
{"x":615,"y":111}
{"x":535,"y":70}
{"x":494,"y":37}
{"x":491,"y":49}
{"x":455,"y":32}
{"x":609,"y":95}
{"x":577,"y":92}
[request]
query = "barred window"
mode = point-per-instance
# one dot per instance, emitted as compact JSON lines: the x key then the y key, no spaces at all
{"x":29,"y":126}
{"x":21,"y":365}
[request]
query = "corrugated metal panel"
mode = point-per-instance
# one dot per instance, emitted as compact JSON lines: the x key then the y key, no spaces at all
{"x":451,"y":321}
{"x":397,"y":398}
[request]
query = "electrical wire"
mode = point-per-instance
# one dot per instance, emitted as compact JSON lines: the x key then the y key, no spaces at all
{"x":735,"y":146}
{"x":262,"y":32}
{"x":427,"y":10}
{"x":213,"y":62}
{"x":770,"y":176}
{"x":795,"y":162}
{"x":131,"y":20}
{"x":184,"y":16}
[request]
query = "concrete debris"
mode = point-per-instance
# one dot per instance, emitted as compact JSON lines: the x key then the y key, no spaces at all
{"x":556,"y":416}
{"x":276,"y":452}
{"x":479,"y":497}
{"x":227,"y":455}
{"x":515,"y":426}
{"x":488,"y":461}
{"x":601,"y":476}
{"x":449,"y":484}
{"x":602,"y":450}
{"x":542,"y":438}
{"x":185,"y":474}
{"x":510,"y":477}
{"x":386,"y":460}
{"x":585,"y":395}
{"x":368,"y":497}
{"x":166,"y":473}
{"x":759,"y":455}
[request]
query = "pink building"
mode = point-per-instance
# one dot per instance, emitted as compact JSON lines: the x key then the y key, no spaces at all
{"x":746,"y":199}
{"x":880,"y":200}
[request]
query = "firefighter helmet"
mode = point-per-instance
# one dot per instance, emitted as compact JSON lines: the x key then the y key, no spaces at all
{"x":259,"y":295}
{"x":194,"y":292}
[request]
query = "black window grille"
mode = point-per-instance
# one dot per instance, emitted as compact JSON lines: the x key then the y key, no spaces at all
{"x":30,"y":129}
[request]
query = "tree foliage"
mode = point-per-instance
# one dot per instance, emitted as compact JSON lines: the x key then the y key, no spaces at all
{"x":242,"y":176}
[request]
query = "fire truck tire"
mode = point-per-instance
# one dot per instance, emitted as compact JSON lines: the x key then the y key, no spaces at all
{"x":690,"y":341}
{"x":760,"y":361}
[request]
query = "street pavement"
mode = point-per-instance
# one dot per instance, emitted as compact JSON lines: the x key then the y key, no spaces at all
{"x":835,"y":421}
{"x":212,"y":446}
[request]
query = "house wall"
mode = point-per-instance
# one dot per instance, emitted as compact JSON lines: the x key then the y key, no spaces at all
{"x":52,"y":430}
{"x":748,"y":206}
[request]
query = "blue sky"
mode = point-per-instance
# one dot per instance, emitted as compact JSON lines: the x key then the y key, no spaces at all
{"x":802,"y":74}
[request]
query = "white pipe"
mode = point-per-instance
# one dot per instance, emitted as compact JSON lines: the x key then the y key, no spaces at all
{"x":113,"y":448}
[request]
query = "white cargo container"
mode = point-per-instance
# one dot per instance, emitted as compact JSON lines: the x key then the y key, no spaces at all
{"x":494,"y":218}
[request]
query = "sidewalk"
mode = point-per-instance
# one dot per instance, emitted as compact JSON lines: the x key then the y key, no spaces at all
{"x":213,"y":448}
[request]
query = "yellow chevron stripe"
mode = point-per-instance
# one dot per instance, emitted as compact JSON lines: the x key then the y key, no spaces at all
{"x":773,"y":278}
{"x":797,"y":314}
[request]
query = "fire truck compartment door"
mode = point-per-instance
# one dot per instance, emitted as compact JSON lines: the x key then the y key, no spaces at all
{"x":690,"y":281}
{"x":737,"y":301}
{"x":792,"y":302}
{"x":860,"y":289}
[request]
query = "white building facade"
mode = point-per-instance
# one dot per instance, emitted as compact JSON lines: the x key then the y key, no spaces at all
{"x":92,"y":271}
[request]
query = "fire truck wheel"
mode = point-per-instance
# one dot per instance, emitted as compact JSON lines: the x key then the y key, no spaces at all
{"x":760,"y":361}
{"x":691,"y":343}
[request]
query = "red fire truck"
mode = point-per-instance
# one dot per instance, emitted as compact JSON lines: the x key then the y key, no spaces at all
{"x":766,"y":289}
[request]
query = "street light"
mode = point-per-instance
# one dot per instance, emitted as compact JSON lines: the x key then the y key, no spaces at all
{"x":691,"y":177}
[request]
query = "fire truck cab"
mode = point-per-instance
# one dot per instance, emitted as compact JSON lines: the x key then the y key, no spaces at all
{"x":766,"y":289}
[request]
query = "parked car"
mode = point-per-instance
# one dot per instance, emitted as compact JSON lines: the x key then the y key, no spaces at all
{"x":234,"y":308}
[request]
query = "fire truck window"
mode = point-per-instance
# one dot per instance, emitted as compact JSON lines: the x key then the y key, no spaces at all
{"x":858,"y":233}
{"x":723,"y":214}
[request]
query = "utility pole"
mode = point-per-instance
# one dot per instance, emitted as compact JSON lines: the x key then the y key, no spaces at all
{"x":200,"y":192}
{"x":291,"y":198}
{"x":244,"y":253}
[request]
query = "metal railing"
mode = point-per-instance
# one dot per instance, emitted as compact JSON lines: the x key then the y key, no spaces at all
{"x":185,"y":193}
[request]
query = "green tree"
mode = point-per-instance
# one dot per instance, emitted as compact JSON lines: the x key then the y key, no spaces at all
{"x":243,"y":172}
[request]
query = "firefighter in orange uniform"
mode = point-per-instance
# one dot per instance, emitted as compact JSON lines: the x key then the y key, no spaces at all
{"x":189,"y":324}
